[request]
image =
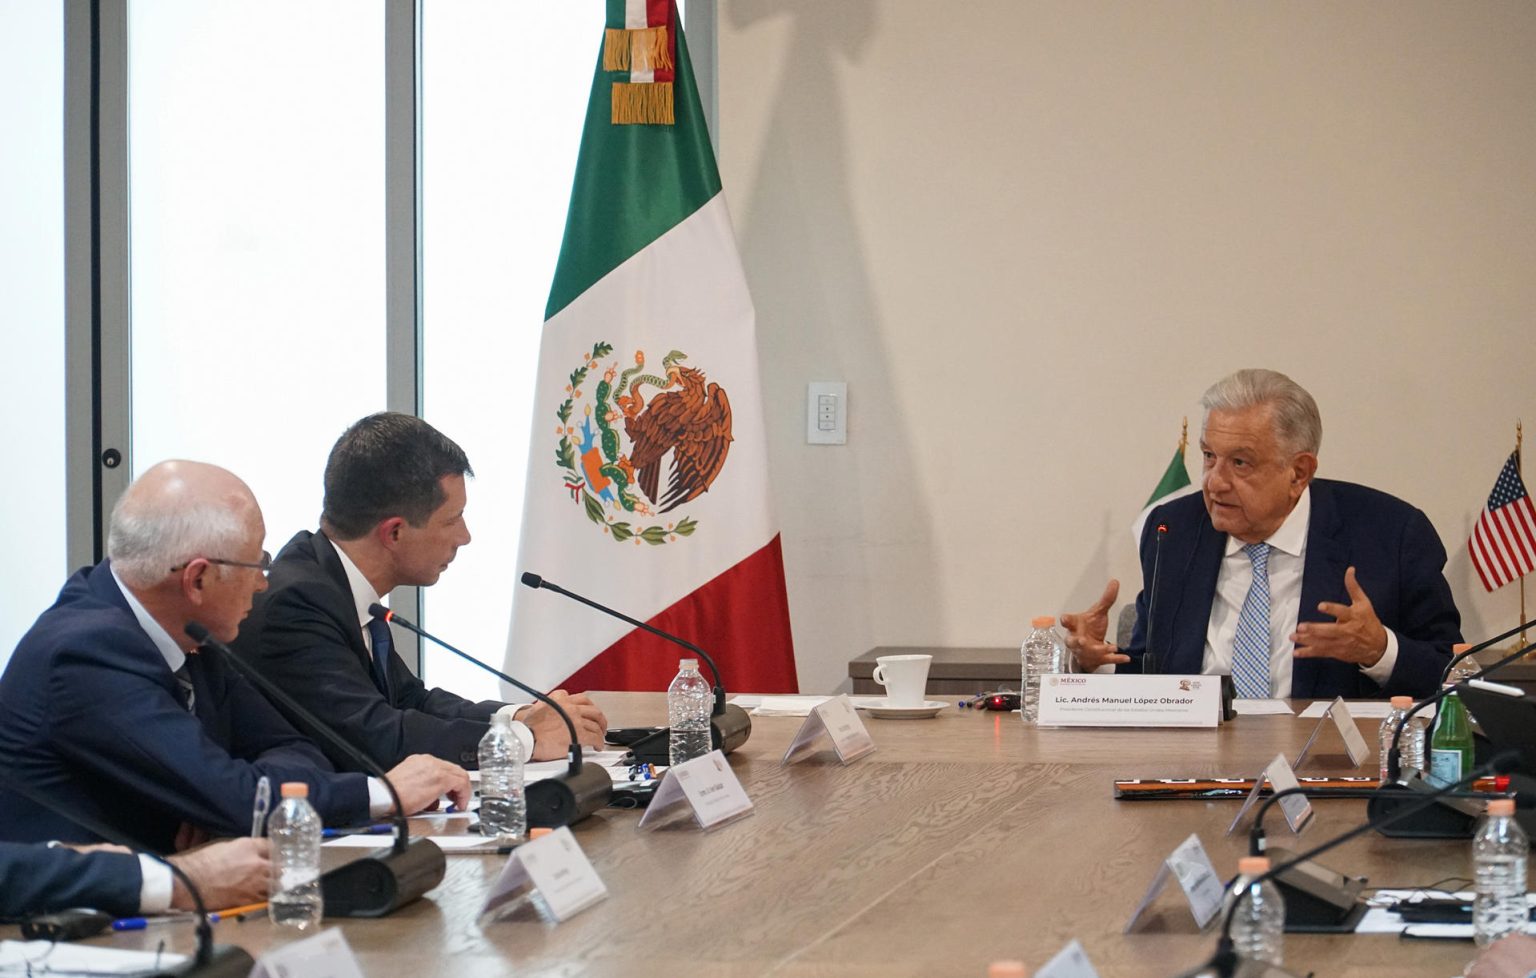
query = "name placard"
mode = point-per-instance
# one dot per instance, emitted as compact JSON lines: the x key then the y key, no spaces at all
{"x":1070,"y":962}
{"x":1344,"y":723}
{"x":707,"y":785}
{"x":554,"y":865}
{"x":1190,"y":865}
{"x":1280,"y":777}
{"x":837,"y":719}
{"x":323,"y":955}
{"x":1094,"y":700}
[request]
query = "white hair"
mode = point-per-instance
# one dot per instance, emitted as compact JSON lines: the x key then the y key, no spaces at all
{"x":1298,"y":425}
{"x":146,"y":541}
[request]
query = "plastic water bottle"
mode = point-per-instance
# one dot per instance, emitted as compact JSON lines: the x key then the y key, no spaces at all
{"x":690,"y":702}
{"x":1466,"y":668}
{"x":1258,"y":927}
{"x":294,"y":829}
{"x":503,"y":810}
{"x":1498,"y":868}
{"x":1042,"y":653}
{"x":1411,"y":747}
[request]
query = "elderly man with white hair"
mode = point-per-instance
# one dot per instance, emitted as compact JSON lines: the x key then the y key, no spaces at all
{"x":1297,"y":587}
{"x":108,"y":707}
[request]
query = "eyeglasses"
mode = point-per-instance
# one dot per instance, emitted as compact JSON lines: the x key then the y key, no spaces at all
{"x":265,"y":564}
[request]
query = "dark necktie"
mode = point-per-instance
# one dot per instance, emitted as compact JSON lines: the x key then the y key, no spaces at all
{"x":188,"y":694}
{"x":382,"y":646}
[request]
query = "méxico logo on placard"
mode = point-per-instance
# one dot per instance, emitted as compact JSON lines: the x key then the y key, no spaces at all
{"x":612,"y":460}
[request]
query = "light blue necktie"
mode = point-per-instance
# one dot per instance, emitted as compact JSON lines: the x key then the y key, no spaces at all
{"x":1250,"y":650}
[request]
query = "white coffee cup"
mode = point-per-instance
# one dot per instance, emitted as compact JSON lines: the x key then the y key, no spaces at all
{"x":905,"y":678}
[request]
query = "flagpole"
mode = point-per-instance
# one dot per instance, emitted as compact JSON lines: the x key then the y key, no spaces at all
{"x":1184,"y":441}
{"x":1519,"y":434}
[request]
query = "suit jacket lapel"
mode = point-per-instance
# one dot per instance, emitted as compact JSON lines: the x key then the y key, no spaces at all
{"x":344,"y":610}
{"x":1327,"y":558}
{"x":1193,"y":590}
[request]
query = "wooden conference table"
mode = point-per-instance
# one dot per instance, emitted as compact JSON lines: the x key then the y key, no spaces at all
{"x":962,"y":840}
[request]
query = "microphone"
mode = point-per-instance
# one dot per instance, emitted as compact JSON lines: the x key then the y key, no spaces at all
{"x":381,"y":882}
{"x":1148,"y":659}
{"x":1484,"y":645}
{"x":1225,"y":961}
{"x":552,"y":802}
{"x":1319,"y":899}
{"x":211,"y":960}
{"x":1395,"y":754}
{"x":729,"y":726}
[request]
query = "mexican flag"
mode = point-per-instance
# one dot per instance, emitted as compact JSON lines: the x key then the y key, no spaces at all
{"x":648,"y":471}
{"x":1174,"y":483}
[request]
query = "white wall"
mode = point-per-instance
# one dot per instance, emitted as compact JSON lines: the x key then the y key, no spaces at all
{"x":1030,"y":234}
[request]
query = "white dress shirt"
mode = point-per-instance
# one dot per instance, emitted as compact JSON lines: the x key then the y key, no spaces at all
{"x":1287,"y":559}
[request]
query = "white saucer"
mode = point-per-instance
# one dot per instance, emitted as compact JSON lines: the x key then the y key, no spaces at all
{"x":928,"y":710}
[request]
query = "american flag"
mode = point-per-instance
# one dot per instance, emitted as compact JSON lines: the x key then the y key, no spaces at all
{"x":1503,"y":544}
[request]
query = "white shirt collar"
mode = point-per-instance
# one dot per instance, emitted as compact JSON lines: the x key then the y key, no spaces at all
{"x":1291,"y":538}
{"x":174,"y":656}
{"x":363,"y":594}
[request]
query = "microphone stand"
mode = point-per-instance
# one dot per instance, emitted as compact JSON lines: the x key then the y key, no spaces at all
{"x":1148,"y":658}
{"x":729,"y":725}
{"x":211,"y":960}
{"x":1319,"y":900}
{"x":381,"y":882}
{"x":1484,"y":645}
{"x":552,"y":802}
{"x":1225,"y":961}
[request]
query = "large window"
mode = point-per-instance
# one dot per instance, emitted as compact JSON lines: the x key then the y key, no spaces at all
{"x":256,"y":140}
{"x":32,"y":562}
{"x":498,"y":154}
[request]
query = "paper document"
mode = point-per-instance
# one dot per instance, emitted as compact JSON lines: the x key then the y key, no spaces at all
{"x":44,"y":957}
{"x":370,"y":841}
{"x":1359,"y":709}
{"x":787,"y":706}
{"x":1262,"y":708}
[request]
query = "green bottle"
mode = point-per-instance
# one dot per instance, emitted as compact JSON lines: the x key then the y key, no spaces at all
{"x":1450,"y":746}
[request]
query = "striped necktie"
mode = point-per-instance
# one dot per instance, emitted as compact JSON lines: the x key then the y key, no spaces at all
{"x":188,"y":694}
{"x":1250,"y":650}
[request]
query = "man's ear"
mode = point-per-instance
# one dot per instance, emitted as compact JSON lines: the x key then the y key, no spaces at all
{"x":388,"y":531}
{"x":193,"y":579}
{"x":1303,"y":468}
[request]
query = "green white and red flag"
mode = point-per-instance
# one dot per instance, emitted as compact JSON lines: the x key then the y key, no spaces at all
{"x":648,"y":481}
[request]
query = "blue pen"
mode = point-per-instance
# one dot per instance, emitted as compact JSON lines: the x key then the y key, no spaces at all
{"x":260,"y":808}
{"x":140,"y":923}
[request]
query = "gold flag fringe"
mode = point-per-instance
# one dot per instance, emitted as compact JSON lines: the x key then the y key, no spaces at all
{"x":643,"y":50}
{"x":642,"y":104}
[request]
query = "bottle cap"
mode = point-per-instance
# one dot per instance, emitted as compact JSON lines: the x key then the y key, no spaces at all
{"x":1460,"y":647}
{"x":1043,"y":621}
{"x":1501,"y":806}
{"x":1402,"y":702}
{"x":1007,"y":969}
{"x":538,"y":833}
{"x":687,"y":663}
{"x":1253,"y":865}
{"x":295,"y":789}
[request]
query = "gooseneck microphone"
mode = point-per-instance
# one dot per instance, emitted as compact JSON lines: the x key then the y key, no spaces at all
{"x":1225,"y":961}
{"x":1148,"y":657}
{"x":1395,"y":754}
{"x":1484,"y":645}
{"x":383,"y":881}
{"x":552,"y":802}
{"x":729,"y":726}
{"x":210,"y":960}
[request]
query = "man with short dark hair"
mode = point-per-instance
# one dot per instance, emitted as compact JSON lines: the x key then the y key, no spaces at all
{"x":393,"y":516}
{"x":1297,"y":587}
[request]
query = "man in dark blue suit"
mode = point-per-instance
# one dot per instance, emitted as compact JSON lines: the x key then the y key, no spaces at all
{"x":107,"y":706}
{"x":38,"y":879}
{"x":1297,"y":587}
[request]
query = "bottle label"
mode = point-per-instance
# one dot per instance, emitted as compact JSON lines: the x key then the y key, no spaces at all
{"x":1444,"y":767}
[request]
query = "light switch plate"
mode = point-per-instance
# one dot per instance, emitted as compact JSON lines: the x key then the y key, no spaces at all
{"x":826,"y":412}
